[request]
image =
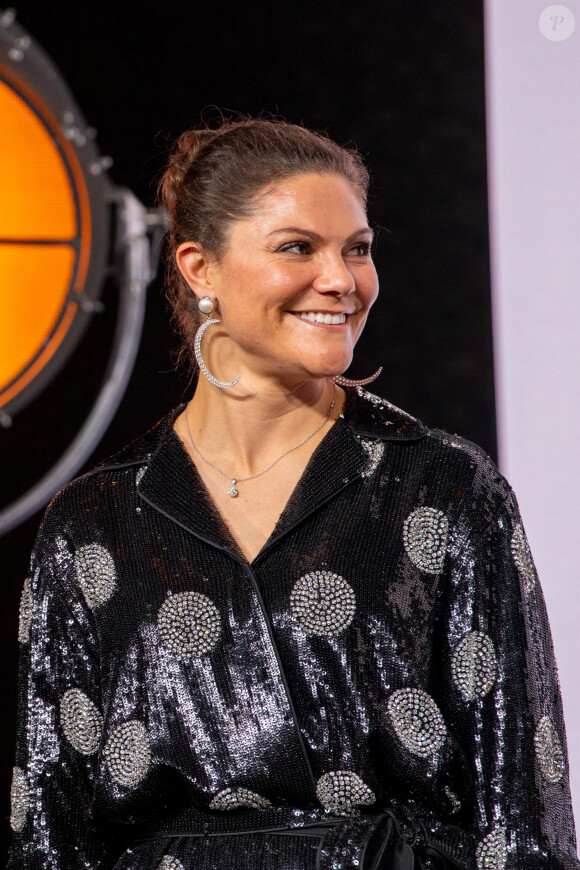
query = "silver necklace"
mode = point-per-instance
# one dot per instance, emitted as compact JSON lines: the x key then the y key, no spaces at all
{"x":233,"y":491}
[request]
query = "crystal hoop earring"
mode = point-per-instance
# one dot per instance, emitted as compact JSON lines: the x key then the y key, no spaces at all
{"x":348,"y":382}
{"x":206,"y":305}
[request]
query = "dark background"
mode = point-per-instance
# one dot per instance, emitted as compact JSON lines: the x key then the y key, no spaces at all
{"x":405,"y":82}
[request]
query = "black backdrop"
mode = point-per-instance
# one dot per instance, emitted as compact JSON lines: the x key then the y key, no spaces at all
{"x":405,"y":82}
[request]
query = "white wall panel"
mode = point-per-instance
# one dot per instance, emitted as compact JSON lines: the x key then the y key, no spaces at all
{"x":533,"y":117}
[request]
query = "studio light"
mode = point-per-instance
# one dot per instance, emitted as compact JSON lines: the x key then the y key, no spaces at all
{"x":63,"y":227}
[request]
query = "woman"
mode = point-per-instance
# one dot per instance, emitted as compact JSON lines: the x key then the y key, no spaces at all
{"x":291,"y":627}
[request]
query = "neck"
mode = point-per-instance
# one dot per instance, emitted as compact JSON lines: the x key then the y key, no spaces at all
{"x":246,"y":429}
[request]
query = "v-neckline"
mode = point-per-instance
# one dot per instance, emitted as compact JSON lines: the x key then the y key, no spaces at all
{"x":222,"y":526}
{"x":172,"y":484}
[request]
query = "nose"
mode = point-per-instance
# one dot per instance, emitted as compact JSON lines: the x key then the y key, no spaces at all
{"x":334,"y":277}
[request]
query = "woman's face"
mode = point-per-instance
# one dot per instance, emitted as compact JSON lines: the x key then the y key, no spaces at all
{"x":297,"y":281}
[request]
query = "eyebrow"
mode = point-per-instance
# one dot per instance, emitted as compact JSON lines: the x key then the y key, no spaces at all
{"x":311,"y":235}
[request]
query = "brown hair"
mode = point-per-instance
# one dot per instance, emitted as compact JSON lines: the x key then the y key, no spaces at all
{"x":214,"y":177}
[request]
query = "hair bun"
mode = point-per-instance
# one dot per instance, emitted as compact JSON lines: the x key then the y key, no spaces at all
{"x":181,"y":159}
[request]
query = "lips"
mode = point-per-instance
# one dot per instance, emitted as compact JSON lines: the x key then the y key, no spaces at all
{"x":321,"y":317}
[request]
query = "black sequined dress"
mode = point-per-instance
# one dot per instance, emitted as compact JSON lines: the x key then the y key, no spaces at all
{"x":377,"y":689}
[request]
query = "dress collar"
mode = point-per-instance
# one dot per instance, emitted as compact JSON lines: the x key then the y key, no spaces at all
{"x":374,"y":417}
{"x":171,"y":484}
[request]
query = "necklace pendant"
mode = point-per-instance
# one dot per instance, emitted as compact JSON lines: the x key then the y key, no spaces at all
{"x":232,"y":490}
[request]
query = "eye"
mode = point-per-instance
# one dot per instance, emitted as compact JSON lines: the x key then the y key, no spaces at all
{"x":361,"y":249}
{"x":298,"y":247}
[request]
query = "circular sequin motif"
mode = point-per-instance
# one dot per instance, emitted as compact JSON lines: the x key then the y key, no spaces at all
{"x":189,"y":624}
{"x":19,"y":800}
{"x":523,"y":557}
{"x":96,"y":574}
{"x":474,"y":665}
{"x":341,"y":790}
{"x":322,"y":603}
{"x":128,"y":753}
{"x":25,"y":615}
{"x":425,"y":534}
{"x":549,"y":751}
{"x":417,"y":721}
{"x":170,"y":862}
{"x":238,"y":798}
{"x":492,"y":851}
{"x":81,"y":721}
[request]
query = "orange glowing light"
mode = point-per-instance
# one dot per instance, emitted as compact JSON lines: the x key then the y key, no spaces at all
{"x":44,"y":235}
{"x":34,"y":281}
{"x":37,"y":198}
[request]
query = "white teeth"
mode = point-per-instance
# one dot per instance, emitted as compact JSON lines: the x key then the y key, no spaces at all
{"x":318,"y":317}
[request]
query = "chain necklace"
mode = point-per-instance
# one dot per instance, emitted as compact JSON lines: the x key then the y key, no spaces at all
{"x":233,"y":491}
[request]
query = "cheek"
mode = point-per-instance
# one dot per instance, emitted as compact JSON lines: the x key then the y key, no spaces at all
{"x":283,"y":283}
{"x":369,"y":288}
{"x":263,"y":288}
{"x":360,"y":325}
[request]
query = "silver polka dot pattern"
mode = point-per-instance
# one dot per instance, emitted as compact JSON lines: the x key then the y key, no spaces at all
{"x":417,"y":721}
{"x":425,"y":534}
{"x":238,"y":798}
{"x":81,"y":721}
{"x":474,"y":665}
{"x":492,"y":851}
{"x":189,"y":624}
{"x":169,"y":862}
{"x":19,"y":800}
{"x":140,"y":472}
{"x":96,"y":574}
{"x":522,"y":557}
{"x":25,"y":615}
{"x":374,"y":450}
{"x":322,"y":603}
{"x":549,"y":751}
{"x":128,"y":753}
{"x":341,"y":791}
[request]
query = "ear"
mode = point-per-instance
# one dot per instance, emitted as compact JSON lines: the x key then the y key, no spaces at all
{"x":193,"y":263}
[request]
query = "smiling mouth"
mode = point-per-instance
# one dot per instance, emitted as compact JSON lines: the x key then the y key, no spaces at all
{"x":321,"y":317}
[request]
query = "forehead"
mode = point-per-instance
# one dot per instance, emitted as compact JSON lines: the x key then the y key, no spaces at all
{"x":322,"y":198}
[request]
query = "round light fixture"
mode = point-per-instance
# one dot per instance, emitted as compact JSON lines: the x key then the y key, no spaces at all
{"x":63,"y":229}
{"x":53,"y":219}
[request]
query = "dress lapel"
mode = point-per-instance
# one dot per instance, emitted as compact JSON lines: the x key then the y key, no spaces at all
{"x":338,"y":460}
{"x":341,"y":457}
{"x":171,"y":483}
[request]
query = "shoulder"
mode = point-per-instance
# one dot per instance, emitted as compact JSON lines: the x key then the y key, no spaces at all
{"x":458,"y":451}
{"x":109,"y":485}
{"x":433,"y":453}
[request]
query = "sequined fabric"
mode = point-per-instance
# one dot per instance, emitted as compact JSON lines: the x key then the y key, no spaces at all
{"x":376,"y":689}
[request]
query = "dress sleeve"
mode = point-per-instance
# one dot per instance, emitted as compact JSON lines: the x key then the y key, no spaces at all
{"x":505,"y":702}
{"x":59,"y":720}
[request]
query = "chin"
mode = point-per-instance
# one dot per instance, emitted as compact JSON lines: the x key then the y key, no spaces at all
{"x":312,"y":365}
{"x":320,"y":371}
{"x":327,"y":365}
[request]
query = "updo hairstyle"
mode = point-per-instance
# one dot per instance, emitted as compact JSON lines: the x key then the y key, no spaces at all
{"x":215,"y":177}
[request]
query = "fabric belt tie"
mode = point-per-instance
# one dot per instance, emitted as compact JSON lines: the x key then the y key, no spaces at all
{"x":369,"y":842}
